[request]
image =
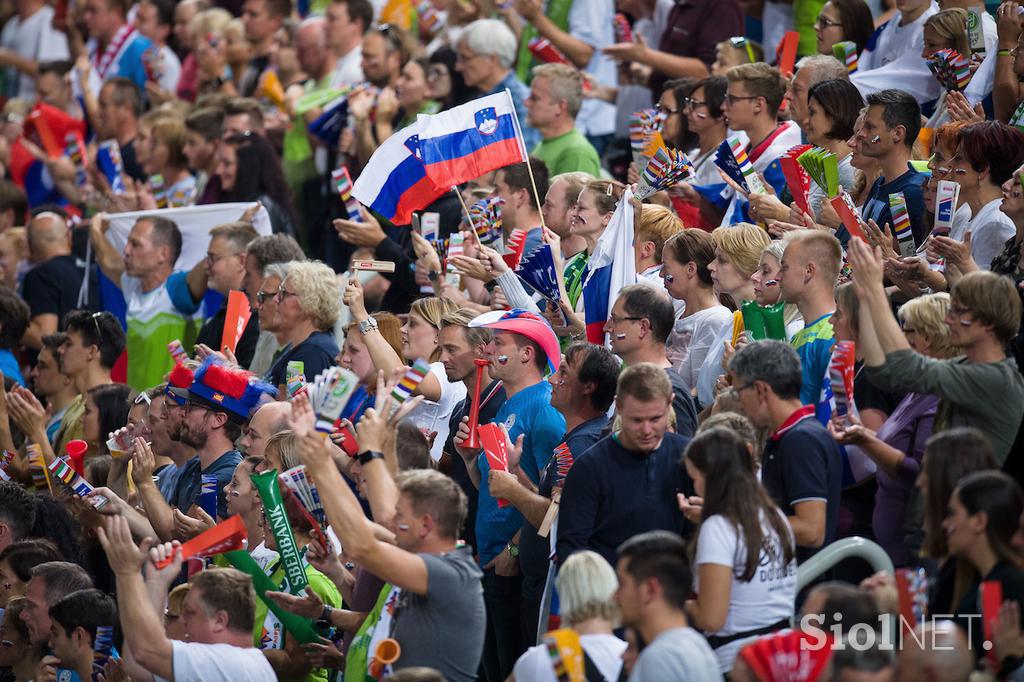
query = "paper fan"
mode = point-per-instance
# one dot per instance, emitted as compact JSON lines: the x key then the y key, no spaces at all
{"x":846,"y":52}
{"x":792,"y":656}
{"x":515,"y":246}
{"x":329,"y":392}
{"x":296,"y":480}
{"x":643,"y":124}
{"x":485,"y":215}
{"x":538,"y":270}
{"x":951,"y":69}
{"x":328,"y":126}
{"x":797,"y":179}
{"x":727,"y":162}
{"x":823,"y":167}
{"x":901,"y":224}
{"x":343,"y":186}
{"x":840,"y":374}
{"x":666,"y":168}
{"x":623,"y":31}
{"x":409,"y":383}
{"x":63,"y":472}
{"x":102,"y":644}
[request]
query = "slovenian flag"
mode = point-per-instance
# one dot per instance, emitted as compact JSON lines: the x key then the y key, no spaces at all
{"x":610,"y":268}
{"x":856,"y":465}
{"x":470,"y":140}
{"x":394,"y":182}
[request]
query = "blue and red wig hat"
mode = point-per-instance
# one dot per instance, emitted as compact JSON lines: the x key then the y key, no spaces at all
{"x":230,"y":390}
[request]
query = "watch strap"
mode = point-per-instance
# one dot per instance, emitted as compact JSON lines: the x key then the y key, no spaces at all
{"x":370,"y":455}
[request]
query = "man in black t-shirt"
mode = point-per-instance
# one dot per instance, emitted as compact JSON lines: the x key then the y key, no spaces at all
{"x":225,"y":263}
{"x":801,"y":467}
{"x":51,"y":288}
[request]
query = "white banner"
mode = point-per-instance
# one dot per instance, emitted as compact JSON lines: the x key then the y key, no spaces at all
{"x":195,"y":223}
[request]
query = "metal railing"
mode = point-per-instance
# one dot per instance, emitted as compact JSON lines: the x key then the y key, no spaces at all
{"x":840,"y":550}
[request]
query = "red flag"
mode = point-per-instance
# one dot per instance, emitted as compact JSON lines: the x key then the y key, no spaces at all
{"x":493,"y":440}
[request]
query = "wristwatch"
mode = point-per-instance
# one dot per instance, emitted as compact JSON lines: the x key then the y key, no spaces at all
{"x":368,"y":325}
{"x":368,"y":456}
{"x":513,"y":550}
{"x":432,"y":275}
{"x":324,"y":621}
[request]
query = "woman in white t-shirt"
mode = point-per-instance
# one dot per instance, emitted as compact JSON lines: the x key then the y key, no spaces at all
{"x":586,"y":587}
{"x":684,"y":270}
{"x":745,"y":551}
{"x":419,"y":341}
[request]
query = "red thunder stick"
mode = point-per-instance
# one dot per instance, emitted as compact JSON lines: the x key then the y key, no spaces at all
{"x":474,"y":409}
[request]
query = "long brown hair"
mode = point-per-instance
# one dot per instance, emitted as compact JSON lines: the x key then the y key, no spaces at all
{"x":948,"y":457}
{"x":731,"y":489}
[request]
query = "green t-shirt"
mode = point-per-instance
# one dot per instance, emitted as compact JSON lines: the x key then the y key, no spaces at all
{"x":155,"y":318}
{"x":267,"y":630}
{"x":569,"y":153}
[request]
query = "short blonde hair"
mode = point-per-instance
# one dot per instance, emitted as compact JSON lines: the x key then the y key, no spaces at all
{"x":586,"y":586}
{"x":926,"y":315}
{"x":656,"y":225}
{"x":566,"y":85}
{"x":743,"y":243}
{"x":823,"y":249}
{"x":318,"y":293}
{"x":209,"y":21}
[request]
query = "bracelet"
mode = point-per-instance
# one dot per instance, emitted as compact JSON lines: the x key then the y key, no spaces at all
{"x":1004,"y":53}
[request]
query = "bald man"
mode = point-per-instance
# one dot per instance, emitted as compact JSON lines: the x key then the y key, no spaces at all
{"x":52,"y":287}
{"x":315,"y":57}
{"x":943,"y":658}
{"x":268,"y":420}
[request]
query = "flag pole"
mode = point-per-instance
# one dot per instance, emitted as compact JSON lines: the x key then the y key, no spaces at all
{"x":526,"y":155}
{"x":465,"y":208}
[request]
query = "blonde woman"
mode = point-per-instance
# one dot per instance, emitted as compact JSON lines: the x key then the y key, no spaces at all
{"x":898,"y":446}
{"x":737,"y":256}
{"x":307,"y":307}
{"x":419,"y":340}
{"x":943,"y":31}
{"x":586,"y":587}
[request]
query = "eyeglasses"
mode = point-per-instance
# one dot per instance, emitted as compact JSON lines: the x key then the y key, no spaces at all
{"x":739,"y":389}
{"x":824,"y":23}
{"x":665,"y":110}
{"x":731,"y":99}
{"x":436,"y":72}
{"x":283,"y":293}
{"x":212,"y":258}
{"x":193,"y":405}
{"x":691,"y":103}
{"x":615,"y":319}
{"x":262,"y":296}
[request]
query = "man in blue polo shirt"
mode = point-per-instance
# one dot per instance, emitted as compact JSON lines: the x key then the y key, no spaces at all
{"x":800,"y":467}
{"x":524,"y":350}
{"x":891,"y":124}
